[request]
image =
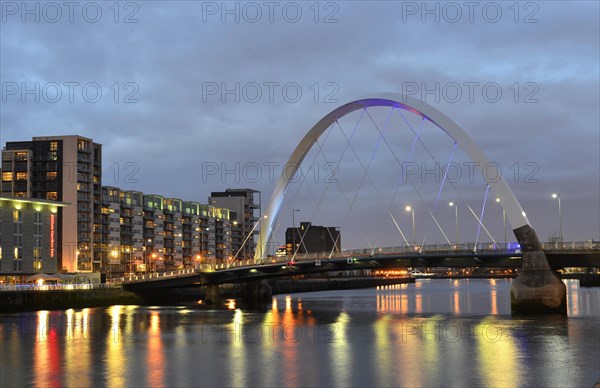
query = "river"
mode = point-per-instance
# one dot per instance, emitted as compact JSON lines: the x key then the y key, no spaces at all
{"x":451,"y":333}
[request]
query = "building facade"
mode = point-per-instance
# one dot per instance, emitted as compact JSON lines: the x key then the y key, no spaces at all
{"x":147,"y":232}
{"x":65,"y":169}
{"x":309,"y":238}
{"x":245,"y":213}
{"x":28,"y":237}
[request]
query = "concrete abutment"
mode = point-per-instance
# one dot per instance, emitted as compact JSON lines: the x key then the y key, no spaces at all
{"x":537,"y":289}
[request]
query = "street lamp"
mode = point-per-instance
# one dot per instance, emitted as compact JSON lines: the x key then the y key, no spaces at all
{"x":455,"y":206}
{"x":503,"y":221}
{"x":294,"y":231}
{"x":412,"y":209}
{"x":555,"y":195}
{"x":130,"y":263}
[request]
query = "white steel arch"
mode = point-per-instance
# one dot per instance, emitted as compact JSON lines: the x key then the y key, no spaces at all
{"x":514,"y":212}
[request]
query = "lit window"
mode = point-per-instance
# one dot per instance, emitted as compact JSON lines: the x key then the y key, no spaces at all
{"x":7,"y":176}
{"x":51,"y":175}
{"x":54,"y":146}
{"x":21,"y":176}
{"x":52,"y":195}
{"x":21,"y":156}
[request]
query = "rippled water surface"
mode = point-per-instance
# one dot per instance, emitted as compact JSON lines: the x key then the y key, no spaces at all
{"x":431,"y":333}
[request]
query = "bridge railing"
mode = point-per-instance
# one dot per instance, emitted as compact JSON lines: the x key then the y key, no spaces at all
{"x":576,"y":245}
{"x":54,"y":287}
{"x":160,"y":275}
{"x":489,"y":248}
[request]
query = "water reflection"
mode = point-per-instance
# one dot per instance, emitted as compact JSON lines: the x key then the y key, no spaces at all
{"x":433,"y":333}
{"x":446,"y":296}
{"x":497,"y":355}
{"x":155,"y":354}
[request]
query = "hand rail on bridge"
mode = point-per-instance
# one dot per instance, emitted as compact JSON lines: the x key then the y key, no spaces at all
{"x":500,"y":248}
{"x":55,"y":287}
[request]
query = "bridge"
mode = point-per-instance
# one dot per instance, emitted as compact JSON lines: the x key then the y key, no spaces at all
{"x":439,"y":140}
{"x":567,"y":254}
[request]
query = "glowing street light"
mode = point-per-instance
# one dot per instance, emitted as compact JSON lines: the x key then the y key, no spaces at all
{"x":555,"y":195}
{"x":455,"y":206}
{"x":412,"y":209}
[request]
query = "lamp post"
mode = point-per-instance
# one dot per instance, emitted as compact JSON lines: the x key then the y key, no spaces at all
{"x":130,"y":263}
{"x":455,"y":206}
{"x":503,"y":221}
{"x":556,"y":195}
{"x":412,"y":209}
{"x":294,"y":231}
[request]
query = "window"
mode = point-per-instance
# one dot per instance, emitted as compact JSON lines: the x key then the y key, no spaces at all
{"x":54,"y":146}
{"x":52,"y":175}
{"x":17,"y":216}
{"x":21,"y":156}
{"x":52,"y":195}
{"x":21,"y":194}
{"x":21,"y":176}
{"x":7,"y":176}
{"x":53,"y":155}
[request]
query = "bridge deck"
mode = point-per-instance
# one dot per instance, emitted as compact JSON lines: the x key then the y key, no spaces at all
{"x":567,"y":255}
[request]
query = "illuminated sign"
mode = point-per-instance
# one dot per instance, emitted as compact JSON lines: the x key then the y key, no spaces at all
{"x":52,"y":235}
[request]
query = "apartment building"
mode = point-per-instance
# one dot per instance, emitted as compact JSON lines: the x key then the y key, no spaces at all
{"x":245,"y":213}
{"x":64,"y":169}
{"x":148,"y":232}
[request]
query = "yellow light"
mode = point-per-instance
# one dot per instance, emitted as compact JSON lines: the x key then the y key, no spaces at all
{"x":408,"y":208}
{"x":497,"y":199}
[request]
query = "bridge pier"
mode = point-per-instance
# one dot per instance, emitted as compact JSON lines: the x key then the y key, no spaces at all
{"x":213,"y":295}
{"x":257,"y":294}
{"x":538,"y":289}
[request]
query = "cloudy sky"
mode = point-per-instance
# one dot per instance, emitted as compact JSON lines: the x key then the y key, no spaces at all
{"x":191,"y":97}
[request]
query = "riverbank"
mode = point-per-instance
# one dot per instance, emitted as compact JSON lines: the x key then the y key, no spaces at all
{"x":18,"y":301}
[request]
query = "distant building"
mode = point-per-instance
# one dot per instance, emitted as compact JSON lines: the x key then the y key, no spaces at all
{"x":67,"y":169}
{"x":28,"y":237}
{"x":245,"y":213}
{"x":309,"y":238}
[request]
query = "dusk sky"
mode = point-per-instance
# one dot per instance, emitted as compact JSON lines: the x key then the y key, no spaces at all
{"x":174,"y":90}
